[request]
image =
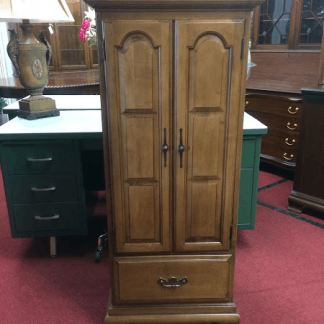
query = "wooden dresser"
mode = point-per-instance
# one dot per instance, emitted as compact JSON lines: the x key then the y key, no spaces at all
{"x":308,"y":190}
{"x":173,"y":91}
{"x":282,"y":114}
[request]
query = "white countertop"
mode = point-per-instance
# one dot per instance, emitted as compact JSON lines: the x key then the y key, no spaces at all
{"x":86,"y":121}
{"x":68,"y":102}
{"x":252,"y":123}
{"x":82,"y":121}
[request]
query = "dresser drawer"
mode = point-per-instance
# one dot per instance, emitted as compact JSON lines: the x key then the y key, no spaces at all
{"x":286,"y":154}
{"x":46,"y":217}
{"x":141,"y":279}
{"x":274,"y":105}
{"x":26,"y":189}
{"x":29,"y":158}
{"x":282,"y":138}
{"x":289,"y":124}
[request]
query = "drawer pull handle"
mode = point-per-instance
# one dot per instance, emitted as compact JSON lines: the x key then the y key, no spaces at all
{"x":293,"y":112}
{"x":291,"y":128}
{"x":287,"y":158}
{"x":41,"y":218}
{"x":292,"y":142}
{"x":246,"y":103}
{"x":43,"y":189}
{"x":172,"y":282}
{"x":165,"y":148}
{"x":40,"y":160}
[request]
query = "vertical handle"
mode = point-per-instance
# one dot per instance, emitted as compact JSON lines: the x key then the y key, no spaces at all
{"x":181,"y":148}
{"x":165,"y":148}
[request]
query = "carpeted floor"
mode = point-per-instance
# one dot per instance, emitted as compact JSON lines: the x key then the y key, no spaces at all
{"x":278,"y":277}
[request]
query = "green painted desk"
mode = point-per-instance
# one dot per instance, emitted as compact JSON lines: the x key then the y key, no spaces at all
{"x":48,"y":164}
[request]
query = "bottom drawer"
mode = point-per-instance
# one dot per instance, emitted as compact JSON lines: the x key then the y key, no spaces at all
{"x":148,"y":279}
{"x":46,"y":217}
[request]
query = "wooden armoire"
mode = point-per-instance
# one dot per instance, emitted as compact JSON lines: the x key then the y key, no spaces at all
{"x":172,"y":88}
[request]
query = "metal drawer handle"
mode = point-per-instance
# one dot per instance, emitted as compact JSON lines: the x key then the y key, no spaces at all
{"x":40,"y":160}
{"x":292,"y":142}
{"x":287,"y":158}
{"x":172,"y":282}
{"x":291,"y":128}
{"x":246,"y":103}
{"x":43,"y":189}
{"x":41,"y":218}
{"x":293,"y":112}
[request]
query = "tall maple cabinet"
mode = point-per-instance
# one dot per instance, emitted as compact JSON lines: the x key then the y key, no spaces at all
{"x":172,"y":89}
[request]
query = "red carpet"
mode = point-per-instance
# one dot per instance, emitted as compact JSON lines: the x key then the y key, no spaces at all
{"x":279,"y":194}
{"x":278,"y":277}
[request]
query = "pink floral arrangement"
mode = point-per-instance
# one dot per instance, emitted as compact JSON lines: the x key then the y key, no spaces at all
{"x":88,"y":28}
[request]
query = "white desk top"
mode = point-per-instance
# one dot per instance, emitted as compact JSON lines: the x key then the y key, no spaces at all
{"x":67,"y":102}
{"x":85,"y":122}
{"x":69,"y":122}
{"x":252,"y":123}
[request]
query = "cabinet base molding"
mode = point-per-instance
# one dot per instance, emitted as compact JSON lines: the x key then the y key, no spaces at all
{"x":176,"y":313}
{"x":174,"y":319}
{"x":298,"y":201}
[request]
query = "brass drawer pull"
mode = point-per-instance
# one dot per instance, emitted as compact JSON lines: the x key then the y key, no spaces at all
{"x":172,"y":282}
{"x":292,"y":142}
{"x":43,"y":189}
{"x":246,"y":103}
{"x":40,"y":160}
{"x":41,"y":218}
{"x":291,"y":128}
{"x":293,"y":112}
{"x":287,"y":158}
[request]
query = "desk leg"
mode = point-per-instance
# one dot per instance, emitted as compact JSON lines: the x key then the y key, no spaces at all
{"x":52,"y":246}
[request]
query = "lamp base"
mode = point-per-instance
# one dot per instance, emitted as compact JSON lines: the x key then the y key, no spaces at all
{"x":37,"y":107}
{"x":36,"y":115}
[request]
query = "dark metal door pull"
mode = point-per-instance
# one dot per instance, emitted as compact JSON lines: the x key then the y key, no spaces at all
{"x":181,"y":148}
{"x":165,"y":148}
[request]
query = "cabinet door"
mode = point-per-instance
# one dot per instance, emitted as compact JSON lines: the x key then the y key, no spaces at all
{"x":209,"y":80}
{"x":138,"y":69}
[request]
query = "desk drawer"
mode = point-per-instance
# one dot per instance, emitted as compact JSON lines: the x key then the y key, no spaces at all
{"x":138,"y":279}
{"x":46,"y":217}
{"x":26,"y":189}
{"x":29,"y":158}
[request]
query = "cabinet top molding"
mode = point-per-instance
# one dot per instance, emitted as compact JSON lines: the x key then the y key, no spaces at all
{"x":173,"y":4}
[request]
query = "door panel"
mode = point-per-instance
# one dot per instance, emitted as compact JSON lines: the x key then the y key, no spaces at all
{"x":139,"y":60}
{"x":208,"y":74}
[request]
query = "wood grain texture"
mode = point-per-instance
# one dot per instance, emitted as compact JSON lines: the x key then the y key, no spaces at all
{"x":282,"y":115}
{"x":138,"y":279}
{"x":321,"y":68}
{"x":283,"y":71}
{"x":139,"y":80}
{"x":207,"y":97}
{"x":205,"y":130}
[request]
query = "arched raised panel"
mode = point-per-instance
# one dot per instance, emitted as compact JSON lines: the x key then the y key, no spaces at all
{"x":138,"y":61}
{"x":138,"y":54}
{"x":208,"y":65}
{"x":208,"y":74}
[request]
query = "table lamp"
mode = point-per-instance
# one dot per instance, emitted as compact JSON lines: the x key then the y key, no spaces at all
{"x":29,"y":56}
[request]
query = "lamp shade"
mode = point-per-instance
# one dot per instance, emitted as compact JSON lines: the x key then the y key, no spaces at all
{"x":36,"y":11}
